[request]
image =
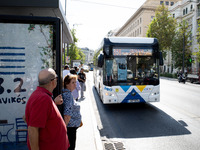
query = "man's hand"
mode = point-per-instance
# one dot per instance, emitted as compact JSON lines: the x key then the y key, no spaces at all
{"x":58,"y":100}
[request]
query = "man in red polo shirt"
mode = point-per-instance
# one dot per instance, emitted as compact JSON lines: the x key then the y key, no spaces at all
{"x":46,"y":128}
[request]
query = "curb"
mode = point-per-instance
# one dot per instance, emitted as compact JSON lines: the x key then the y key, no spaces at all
{"x":97,"y":137}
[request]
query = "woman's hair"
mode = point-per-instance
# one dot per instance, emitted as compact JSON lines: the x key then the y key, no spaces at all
{"x":68,"y":79}
{"x":72,"y":71}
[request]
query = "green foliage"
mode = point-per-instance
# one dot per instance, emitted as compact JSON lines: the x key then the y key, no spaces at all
{"x":46,"y":52}
{"x":163,"y":28}
{"x":197,"y":54}
{"x":182,"y":35}
{"x":95,"y":57}
{"x":74,"y":52}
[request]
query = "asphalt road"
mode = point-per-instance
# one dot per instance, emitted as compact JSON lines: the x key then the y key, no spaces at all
{"x":171,"y":124}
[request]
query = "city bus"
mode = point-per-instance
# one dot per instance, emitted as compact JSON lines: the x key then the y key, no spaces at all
{"x":91,"y":65}
{"x":126,"y":70}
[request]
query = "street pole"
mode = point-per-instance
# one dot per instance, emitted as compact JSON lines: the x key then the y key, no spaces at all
{"x":65,"y":6}
{"x":183,"y":52}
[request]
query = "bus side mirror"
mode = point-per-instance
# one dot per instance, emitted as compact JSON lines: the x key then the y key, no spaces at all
{"x":161,"y":59}
{"x":100,"y":60}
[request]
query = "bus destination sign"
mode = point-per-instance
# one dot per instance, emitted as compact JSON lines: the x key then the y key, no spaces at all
{"x":132,"y":52}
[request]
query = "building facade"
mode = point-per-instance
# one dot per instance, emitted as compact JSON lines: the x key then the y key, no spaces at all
{"x":137,"y":25}
{"x":189,"y":11}
{"x":89,"y":54}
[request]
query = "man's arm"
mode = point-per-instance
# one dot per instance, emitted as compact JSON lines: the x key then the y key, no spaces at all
{"x":33,"y":135}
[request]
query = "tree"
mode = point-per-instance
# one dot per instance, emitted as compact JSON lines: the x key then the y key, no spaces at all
{"x":181,"y":41}
{"x":95,"y":57}
{"x":163,"y":28}
{"x":74,"y":52}
{"x":197,"y":54}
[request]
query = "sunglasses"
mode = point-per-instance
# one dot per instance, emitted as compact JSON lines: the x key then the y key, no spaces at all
{"x":56,"y":77}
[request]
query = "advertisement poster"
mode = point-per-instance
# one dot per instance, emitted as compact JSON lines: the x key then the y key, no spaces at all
{"x":25,"y":49}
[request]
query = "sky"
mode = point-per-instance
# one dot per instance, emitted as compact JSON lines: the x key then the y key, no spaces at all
{"x":93,"y":19}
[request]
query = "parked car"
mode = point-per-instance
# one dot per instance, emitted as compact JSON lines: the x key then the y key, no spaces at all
{"x":86,"y":68}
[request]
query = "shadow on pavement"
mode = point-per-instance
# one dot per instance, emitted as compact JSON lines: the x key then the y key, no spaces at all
{"x":136,"y":121}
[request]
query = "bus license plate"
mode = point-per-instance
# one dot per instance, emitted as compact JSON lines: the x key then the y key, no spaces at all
{"x":134,"y":101}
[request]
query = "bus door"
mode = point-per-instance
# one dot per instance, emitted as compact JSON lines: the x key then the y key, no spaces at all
{"x":27,"y":45}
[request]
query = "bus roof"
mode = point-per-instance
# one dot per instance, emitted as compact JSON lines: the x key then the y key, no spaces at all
{"x":127,"y":41}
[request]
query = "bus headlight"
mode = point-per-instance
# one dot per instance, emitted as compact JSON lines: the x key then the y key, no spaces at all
{"x":109,"y":94}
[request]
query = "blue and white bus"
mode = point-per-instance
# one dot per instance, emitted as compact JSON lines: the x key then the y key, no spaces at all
{"x":127,"y":70}
{"x":91,"y":65}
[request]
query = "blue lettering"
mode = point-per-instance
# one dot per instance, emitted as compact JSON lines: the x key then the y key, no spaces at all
{"x":107,"y":89}
{"x":13,"y":100}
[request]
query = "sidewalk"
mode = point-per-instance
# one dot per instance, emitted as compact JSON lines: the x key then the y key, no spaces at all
{"x":88,"y":137}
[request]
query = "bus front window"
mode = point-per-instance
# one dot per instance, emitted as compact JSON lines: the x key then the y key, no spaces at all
{"x":144,"y":70}
{"x":131,"y":70}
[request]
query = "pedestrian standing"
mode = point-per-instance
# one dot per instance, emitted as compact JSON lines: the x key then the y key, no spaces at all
{"x":66,"y":71}
{"x":82,"y":79}
{"x":72,"y":115}
{"x":46,"y":128}
{"x":75,"y":92}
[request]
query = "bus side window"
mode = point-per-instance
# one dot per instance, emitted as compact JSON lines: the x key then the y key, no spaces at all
{"x":109,"y":66}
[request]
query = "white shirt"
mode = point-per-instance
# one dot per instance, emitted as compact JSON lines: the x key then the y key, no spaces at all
{"x":65,"y":72}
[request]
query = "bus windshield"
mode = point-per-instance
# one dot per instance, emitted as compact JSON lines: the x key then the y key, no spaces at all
{"x":131,"y":70}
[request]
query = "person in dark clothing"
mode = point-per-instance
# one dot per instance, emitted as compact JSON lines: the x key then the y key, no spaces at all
{"x":82,"y":79}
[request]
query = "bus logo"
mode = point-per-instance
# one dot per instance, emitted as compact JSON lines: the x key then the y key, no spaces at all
{"x":133,"y":94}
{"x":107,"y":89}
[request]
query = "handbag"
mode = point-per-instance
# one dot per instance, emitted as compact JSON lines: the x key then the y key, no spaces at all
{"x":81,"y":124}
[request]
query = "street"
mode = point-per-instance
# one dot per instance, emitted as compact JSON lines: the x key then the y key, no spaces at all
{"x":171,"y":124}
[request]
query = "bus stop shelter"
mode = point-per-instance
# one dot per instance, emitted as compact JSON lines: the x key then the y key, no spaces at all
{"x":24,"y":44}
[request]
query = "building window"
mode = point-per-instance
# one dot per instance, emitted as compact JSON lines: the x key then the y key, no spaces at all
{"x":140,"y":30}
{"x":140,"y":20}
{"x":186,"y":11}
{"x":167,"y":3}
{"x":161,"y":2}
{"x":172,"y":3}
{"x":198,"y":7}
{"x":183,"y":11}
{"x":173,"y":15}
{"x":191,"y":7}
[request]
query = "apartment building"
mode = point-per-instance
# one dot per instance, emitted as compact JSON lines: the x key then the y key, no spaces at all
{"x":189,"y":11}
{"x":88,"y":54}
{"x":137,"y":24}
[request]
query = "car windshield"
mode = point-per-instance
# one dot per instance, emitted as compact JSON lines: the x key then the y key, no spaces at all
{"x":131,"y":70}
